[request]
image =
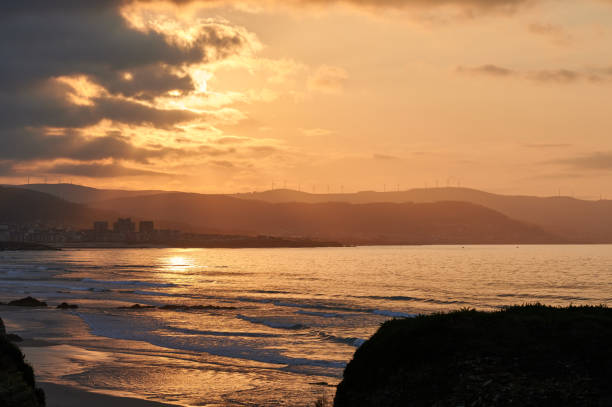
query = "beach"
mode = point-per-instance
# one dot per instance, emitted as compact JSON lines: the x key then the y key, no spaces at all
{"x":273,"y":327}
{"x":67,"y":396}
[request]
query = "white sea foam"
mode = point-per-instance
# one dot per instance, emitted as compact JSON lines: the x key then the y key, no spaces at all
{"x":255,"y":348}
{"x":393,"y":314}
{"x":320,"y":314}
{"x":356,"y":342}
{"x":272,"y":323}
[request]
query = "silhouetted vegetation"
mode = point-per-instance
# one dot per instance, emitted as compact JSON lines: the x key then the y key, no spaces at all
{"x":17,"y":385}
{"x":529,"y":355}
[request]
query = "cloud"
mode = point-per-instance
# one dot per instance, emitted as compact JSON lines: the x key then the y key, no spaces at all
{"x":49,"y":105}
{"x":470,"y":6}
{"x":556,"y":76}
{"x":489,"y":69}
{"x":37,"y":144}
{"x":316,"y":132}
{"x":546,"y":146}
{"x":559,"y":76}
{"x":384,"y":157}
{"x":601,"y":161}
{"x":328,"y":79}
{"x":94,"y":170}
{"x":555,"y":33}
{"x":69,"y":66}
{"x":39,"y":42}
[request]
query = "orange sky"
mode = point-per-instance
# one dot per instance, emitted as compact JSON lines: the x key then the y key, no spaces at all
{"x":511,"y":96}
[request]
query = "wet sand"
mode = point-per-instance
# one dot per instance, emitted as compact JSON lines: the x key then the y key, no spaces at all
{"x":65,"y":396}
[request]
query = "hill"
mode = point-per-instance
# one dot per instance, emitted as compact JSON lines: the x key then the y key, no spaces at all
{"x":520,"y":356}
{"x":23,"y":206}
{"x":573,"y":219}
{"x":83,"y":194}
{"x":375,"y":223}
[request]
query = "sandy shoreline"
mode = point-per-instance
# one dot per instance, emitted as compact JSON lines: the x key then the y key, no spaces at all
{"x":66,"y":396}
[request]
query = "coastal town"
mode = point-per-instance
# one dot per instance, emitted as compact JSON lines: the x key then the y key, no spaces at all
{"x":123,"y":230}
{"x":126,"y":233}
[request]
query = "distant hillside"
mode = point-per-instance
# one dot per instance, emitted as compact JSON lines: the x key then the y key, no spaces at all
{"x":574,"y":219}
{"x":19,"y":205}
{"x":379,"y":223}
{"x":82,"y":194}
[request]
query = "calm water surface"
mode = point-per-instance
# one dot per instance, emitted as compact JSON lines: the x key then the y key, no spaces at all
{"x":290,"y":319}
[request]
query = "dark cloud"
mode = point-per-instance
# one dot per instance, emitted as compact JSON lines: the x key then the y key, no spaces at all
{"x":468,"y":4}
{"x":144,"y":82}
{"x":39,"y":42}
{"x":596,"y":161}
{"x":555,"y":33}
{"x":556,"y":76}
{"x":49,"y":106}
{"x":36,"y":144}
{"x":507,"y":5}
{"x":559,"y":76}
{"x":93,"y":170}
{"x":489,"y":69}
{"x":43,"y":41}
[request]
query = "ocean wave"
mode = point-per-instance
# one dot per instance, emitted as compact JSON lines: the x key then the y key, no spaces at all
{"x":128,"y":282}
{"x":394,"y":314}
{"x":356,"y":342}
{"x":133,"y":266}
{"x":272,"y":323}
{"x":415,"y":299}
{"x":154,"y":293}
{"x":254,"y":348}
{"x":323,"y":307}
{"x":32,"y":284}
{"x":320,"y":314}
{"x":544,"y":297}
{"x":222,"y":333}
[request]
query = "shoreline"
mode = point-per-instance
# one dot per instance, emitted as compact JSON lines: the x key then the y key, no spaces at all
{"x":43,"y":247}
{"x":59,"y":395}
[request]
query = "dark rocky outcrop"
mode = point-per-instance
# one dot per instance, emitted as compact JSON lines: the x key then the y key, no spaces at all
{"x":17,"y":385}
{"x":138,"y":306}
{"x":521,"y":356}
{"x":180,"y":307}
{"x":27,"y":302}
{"x":65,"y":305}
{"x":14,"y":338}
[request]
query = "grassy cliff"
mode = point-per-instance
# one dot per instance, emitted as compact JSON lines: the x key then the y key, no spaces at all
{"x":17,"y":386}
{"x":522,"y":356}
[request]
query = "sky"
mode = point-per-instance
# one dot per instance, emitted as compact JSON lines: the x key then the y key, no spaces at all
{"x":216,"y":96}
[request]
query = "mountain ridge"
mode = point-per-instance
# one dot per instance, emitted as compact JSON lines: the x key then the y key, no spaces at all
{"x":572,"y":219}
{"x":375,"y":223}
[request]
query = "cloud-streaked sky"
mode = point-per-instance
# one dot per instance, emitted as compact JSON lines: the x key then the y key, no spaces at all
{"x":511,"y":96}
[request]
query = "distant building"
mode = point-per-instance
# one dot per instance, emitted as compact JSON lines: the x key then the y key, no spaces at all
{"x":146,"y":227}
{"x":5,"y":234}
{"x":101,"y":227}
{"x":124,"y":225}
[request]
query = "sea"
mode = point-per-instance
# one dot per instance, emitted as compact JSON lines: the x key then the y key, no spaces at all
{"x":260,"y":327}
